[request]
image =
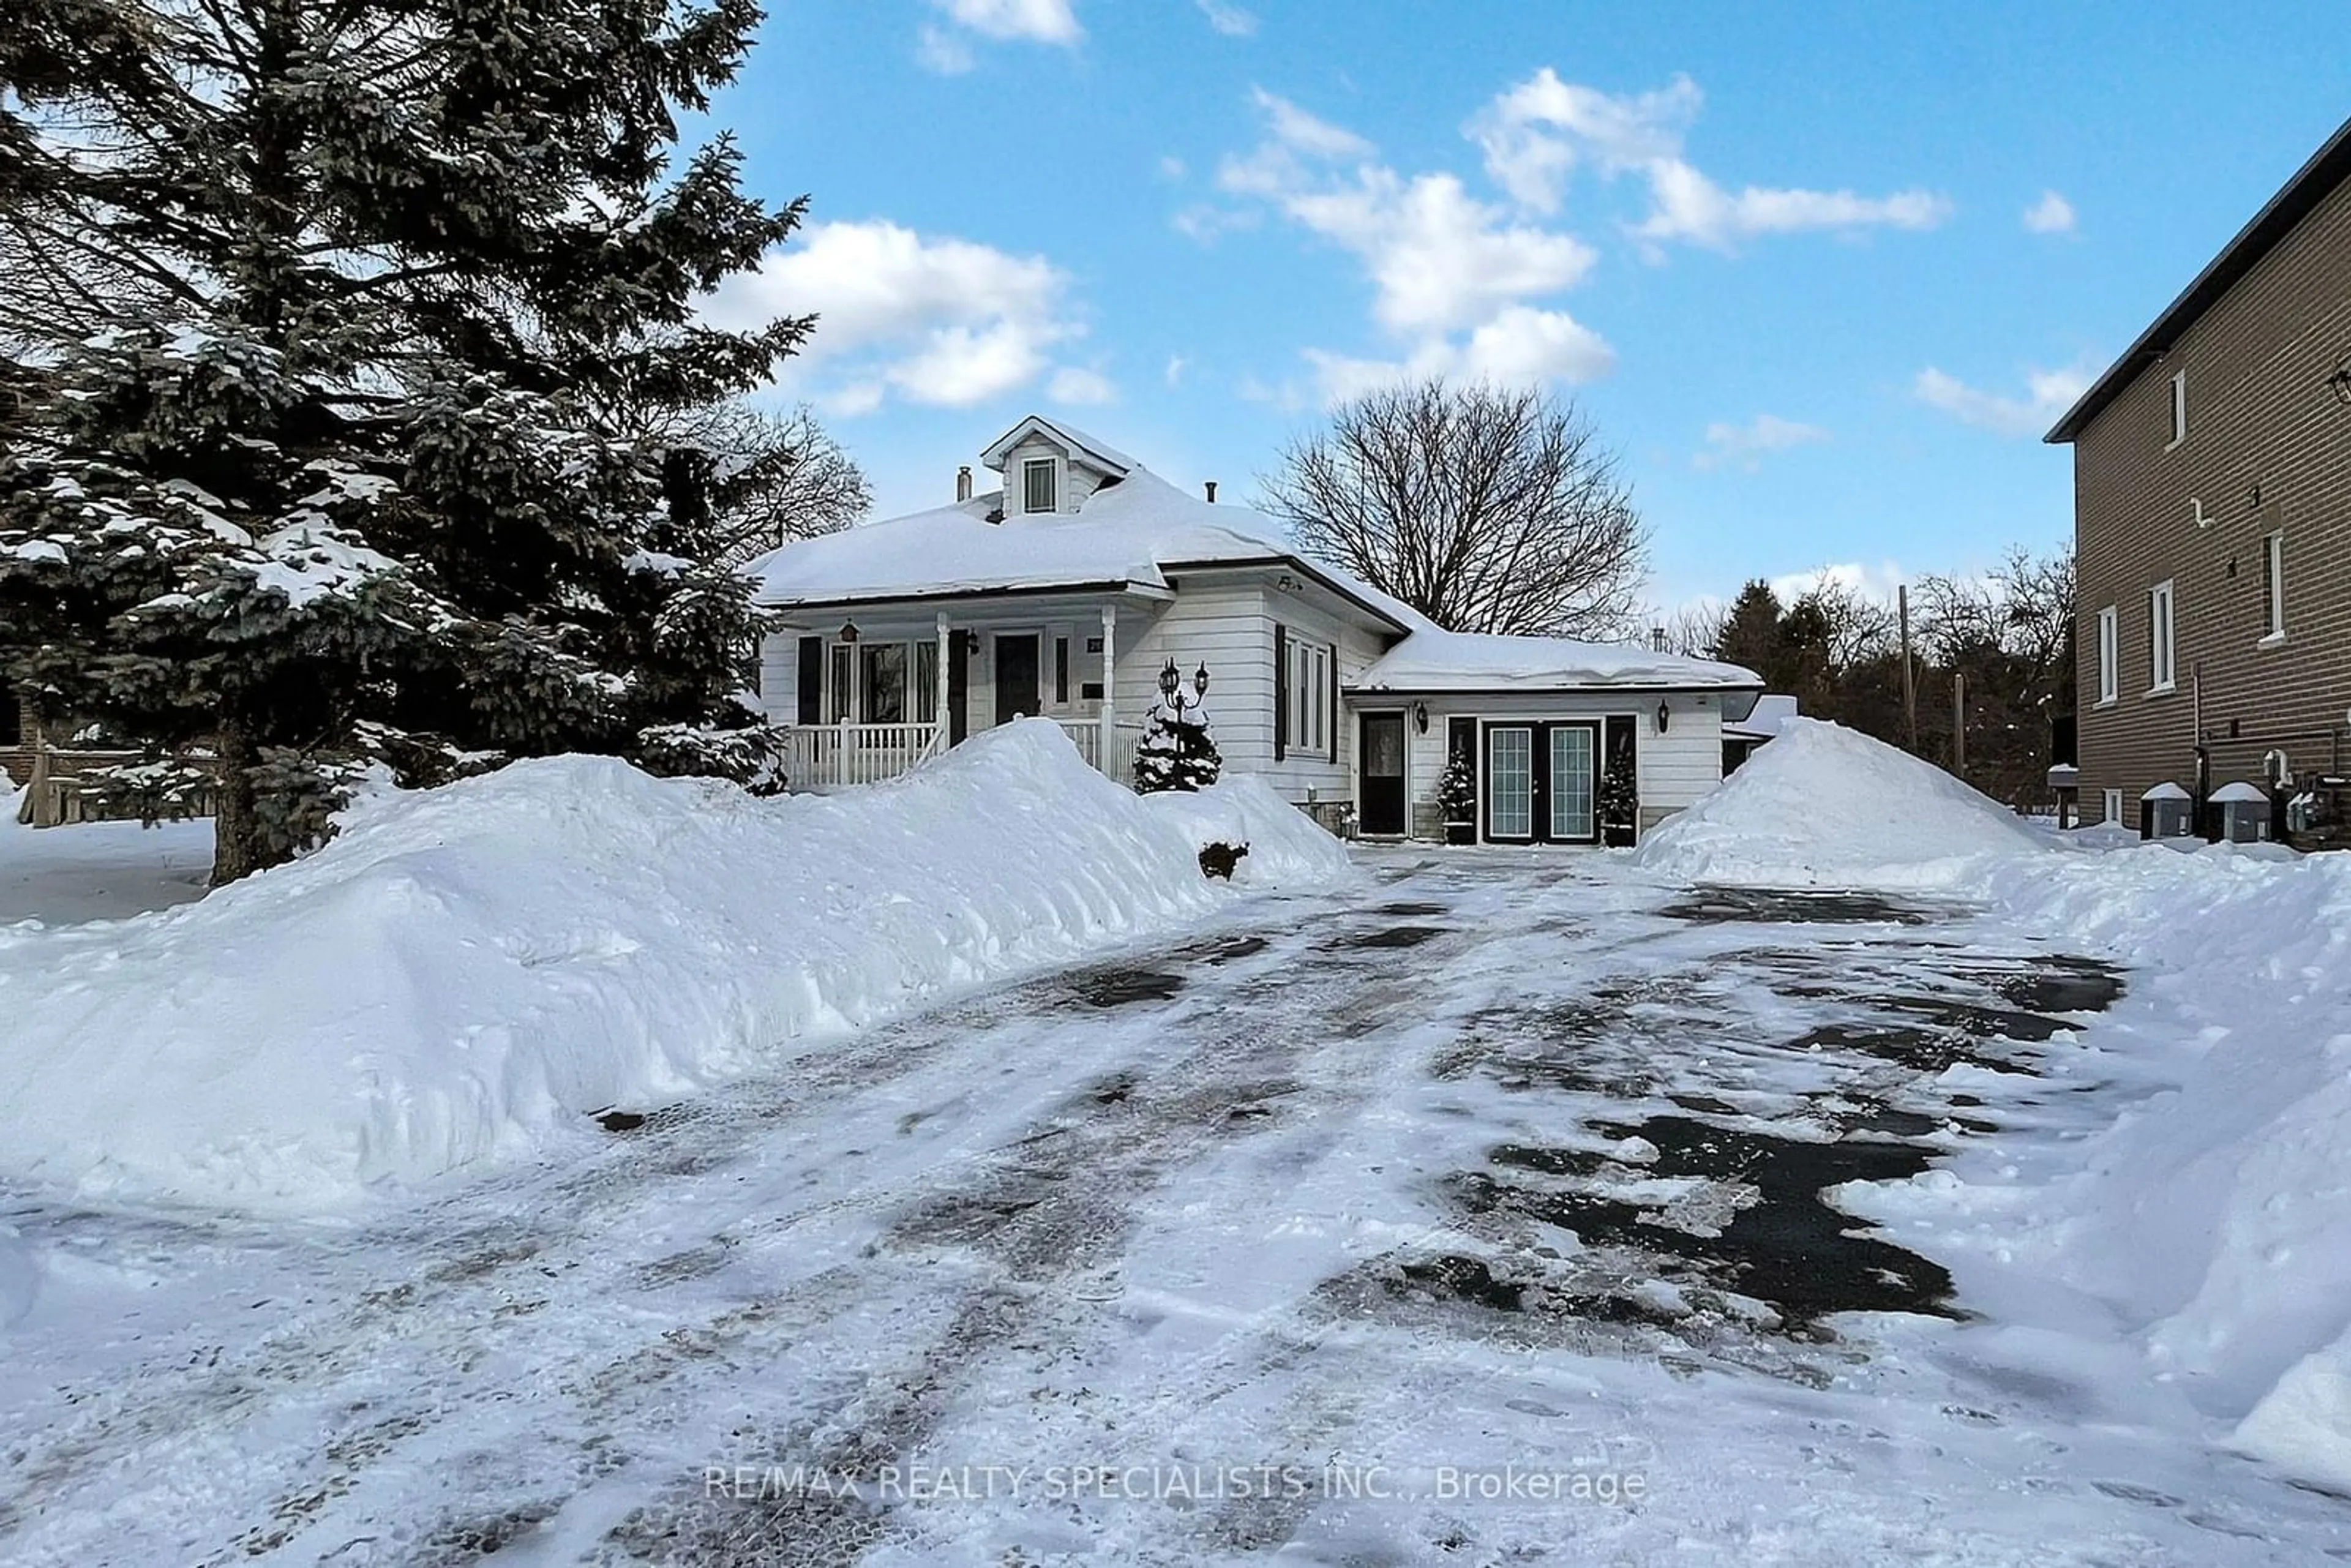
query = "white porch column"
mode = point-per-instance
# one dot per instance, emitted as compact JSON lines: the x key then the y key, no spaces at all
{"x":939,"y":708}
{"x":1109,"y":716}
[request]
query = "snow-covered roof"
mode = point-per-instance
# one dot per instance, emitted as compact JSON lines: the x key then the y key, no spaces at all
{"x":1100,"y":455}
{"x":2231,"y":794}
{"x":1772,"y":711}
{"x":1434,"y":661}
{"x":1133,"y":533}
{"x":2167,"y":790}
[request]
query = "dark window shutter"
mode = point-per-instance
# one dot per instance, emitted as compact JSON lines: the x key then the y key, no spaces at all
{"x":1334,"y":704}
{"x":1280,"y":691}
{"x":812,"y":688}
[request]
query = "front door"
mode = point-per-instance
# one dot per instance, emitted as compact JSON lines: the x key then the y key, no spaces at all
{"x":1016,"y":677}
{"x":1380,"y":810}
{"x":1541,"y":783}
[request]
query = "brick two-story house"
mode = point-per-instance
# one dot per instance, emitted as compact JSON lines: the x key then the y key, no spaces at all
{"x":2212,"y":518}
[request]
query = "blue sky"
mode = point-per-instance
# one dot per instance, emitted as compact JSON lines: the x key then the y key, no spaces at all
{"x":1821,"y":274}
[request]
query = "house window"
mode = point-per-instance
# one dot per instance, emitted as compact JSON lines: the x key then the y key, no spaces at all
{"x":1062,"y":670}
{"x":884,"y":695}
{"x":2113,"y":812}
{"x":1310,"y":696}
{"x":2159,"y":648}
{"x":844,"y":685}
{"x":2273,"y":588}
{"x":2178,"y":409}
{"x":2110,"y":642}
{"x":1038,"y":491}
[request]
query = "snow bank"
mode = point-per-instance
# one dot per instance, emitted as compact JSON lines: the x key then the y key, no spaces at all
{"x":2210,"y":1221}
{"x":464,"y":974}
{"x":1823,"y":805}
{"x":1284,"y":845}
{"x":2215,"y":1214}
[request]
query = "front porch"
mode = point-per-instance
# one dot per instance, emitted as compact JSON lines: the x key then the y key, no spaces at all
{"x":873,"y":690}
{"x":820,"y":758}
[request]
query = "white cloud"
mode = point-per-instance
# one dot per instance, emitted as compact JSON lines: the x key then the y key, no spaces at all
{"x":1453,"y":278}
{"x":1876,"y":582}
{"x":1229,"y":19}
{"x":1746,"y":444}
{"x":2048,"y":393}
{"x":1519,"y":345}
{"x":1537,"y":134}
{"x":947,"y":48}
{"x":1172,"y":167}
{"x":1690,"y":206}
{"x":2052,"y":214}
{"x":940,"y":320}
{"x":1077,"y":385}
{"x":1176,"y":365}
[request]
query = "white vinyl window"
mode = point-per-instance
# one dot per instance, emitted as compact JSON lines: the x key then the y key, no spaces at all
{"x":2273,"y":588}
{"x":1311,"y":717}
{"x":2110,"y":639}
{"x":2178,"y":409}
{"x":2161,"y":653}
{"x":1039,"y":489}
{"x":2114,"y":806}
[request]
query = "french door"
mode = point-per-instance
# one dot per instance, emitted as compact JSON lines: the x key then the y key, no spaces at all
{"x":1542,"y":782}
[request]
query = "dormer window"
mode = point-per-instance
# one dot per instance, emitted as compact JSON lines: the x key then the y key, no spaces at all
{"x":1040,"y":487}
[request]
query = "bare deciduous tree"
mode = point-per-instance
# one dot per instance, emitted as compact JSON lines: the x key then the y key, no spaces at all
{"x":1486,"y":508}
{"x":776,"y":475}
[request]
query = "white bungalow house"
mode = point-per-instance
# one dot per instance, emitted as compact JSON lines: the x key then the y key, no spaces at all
{"x":1067,"y":592}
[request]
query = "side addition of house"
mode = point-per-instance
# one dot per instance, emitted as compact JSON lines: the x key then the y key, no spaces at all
{"x":1067,"y":591}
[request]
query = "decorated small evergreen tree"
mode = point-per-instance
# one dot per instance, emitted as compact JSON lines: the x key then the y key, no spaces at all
{"x":1617,"y":798}
{"x":1177,"y":751}
{"x":1457,"y":794}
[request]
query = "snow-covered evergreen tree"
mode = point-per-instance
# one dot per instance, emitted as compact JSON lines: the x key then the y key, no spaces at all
{"x":1176,"y":752}
{"x":1457,"y":789}
{"x":330,"y":330}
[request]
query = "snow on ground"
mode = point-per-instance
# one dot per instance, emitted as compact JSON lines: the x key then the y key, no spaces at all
{"x":2208,"y":1226}
{"x":1823,"y":805}
{"x":1469,"y":1216}
{"x":98,"y":871}
{"x":465,"y":975}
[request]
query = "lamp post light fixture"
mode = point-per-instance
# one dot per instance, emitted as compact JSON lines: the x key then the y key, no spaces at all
{"x":1200,"y":681}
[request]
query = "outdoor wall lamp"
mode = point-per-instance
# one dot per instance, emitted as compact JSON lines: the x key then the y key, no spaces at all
{"x":2339,"y":383}
{"x":1663,"y":714}
{"x":1420,"y":717}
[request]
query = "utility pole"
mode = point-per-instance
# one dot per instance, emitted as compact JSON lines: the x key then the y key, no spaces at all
{"x":1909,"y":679}
{"x":1959,"y":724}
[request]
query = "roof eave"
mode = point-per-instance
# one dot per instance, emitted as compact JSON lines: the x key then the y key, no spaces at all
{"x":1170,"y":568}
{"x":2311,"y":184}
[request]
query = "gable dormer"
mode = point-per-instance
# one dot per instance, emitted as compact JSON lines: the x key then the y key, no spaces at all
{"x":1050,"y":467}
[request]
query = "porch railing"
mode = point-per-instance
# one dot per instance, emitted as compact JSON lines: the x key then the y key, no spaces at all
{"x":1119,"y":763}
{"x":820,"y":757}
{"x":835,"y":756}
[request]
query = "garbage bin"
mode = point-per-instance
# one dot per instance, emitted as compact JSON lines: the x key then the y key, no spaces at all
{"x":2244,"y":814}
{"x":2167,"y":811}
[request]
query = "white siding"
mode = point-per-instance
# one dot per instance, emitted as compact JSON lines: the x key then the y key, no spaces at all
{"x":1671,"y":769}
{"x":1079,"y":481}
{"x":1225,"y":619}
